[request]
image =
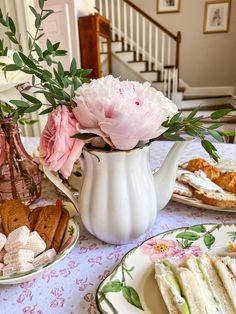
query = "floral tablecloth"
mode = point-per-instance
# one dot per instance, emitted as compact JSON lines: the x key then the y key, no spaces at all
{"x":70,"y":287}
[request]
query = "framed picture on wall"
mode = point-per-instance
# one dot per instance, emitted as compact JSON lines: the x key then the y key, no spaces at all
{"x":216,"y":17}
{"x":168,"y":6}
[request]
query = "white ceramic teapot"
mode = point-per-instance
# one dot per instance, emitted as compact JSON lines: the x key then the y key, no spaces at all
{"x":119,"y":196}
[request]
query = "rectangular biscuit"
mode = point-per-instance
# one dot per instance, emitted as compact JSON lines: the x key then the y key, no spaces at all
{"x":61,"y":228}
{"x":14,"y":214}
{"x":33,"y":216}
{"x":17,"y":239}
{"x":47,"y":223}
{"x":22,"y":255}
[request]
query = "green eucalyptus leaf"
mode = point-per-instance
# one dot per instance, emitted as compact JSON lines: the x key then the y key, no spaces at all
{"x":34,"y":11}
{"x":49,"y":12}
{"x":37,"y":22}
{"x":11,"y":67}
{"x":46,"y":75}
{"x":132,"y":296}
{"x":49,"y":45}
{"x":11,"y":25}
{"x":58,"y":78}
{"x":38,"y":50}
{"x":41,"y":4}
{"x":193,"y":113}
{"x":220,"y":113}
{"x":73,"y":66}
{"x":13,"y":40}
{"x":60,"y":69}
{"x":214,"y":126}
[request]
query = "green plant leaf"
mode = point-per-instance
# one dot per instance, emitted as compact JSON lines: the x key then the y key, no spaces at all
{"x":73,"y":66}
{"x":41,"y":4}
{"x":27,"y":61}
{"x":220,"y":113}
{"x":33,"y":108}
{"x":209,"y":239}
{"x":49,"y":12}
{"x":17,"y":59}
{"x":11,"y":25}
{"x":199,"y":228}
{"x":34,"y":11}
{"x":214,"y":126}
{"x":11,"y":67}
{"x":132,"y":296}
{"x":216,"y":135}
{"x":19,"y":103}
{"x":192,"y":113}
{"x":31,"y":98}
{"x":49,"y":45}
{"x":84,"y":136}
{"x":46,"y":111}
{"x":112,"y":286}
{"x":187,"y":235}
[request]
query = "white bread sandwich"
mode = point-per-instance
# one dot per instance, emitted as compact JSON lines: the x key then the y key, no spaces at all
{"x":202,"y":285}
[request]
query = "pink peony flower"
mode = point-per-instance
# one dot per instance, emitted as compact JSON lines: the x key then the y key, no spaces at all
{"x":57,"y":149}
{"x":123,"y":113}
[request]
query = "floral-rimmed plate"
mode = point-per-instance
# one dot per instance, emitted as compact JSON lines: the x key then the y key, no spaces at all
{"x":131,"y":287}
{"x":70,"y":238}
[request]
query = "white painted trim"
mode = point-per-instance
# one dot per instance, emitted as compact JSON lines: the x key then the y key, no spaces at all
{"x":206,"y":90}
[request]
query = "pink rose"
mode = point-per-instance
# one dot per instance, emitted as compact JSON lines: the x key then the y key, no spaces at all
{"x":58,"y":151}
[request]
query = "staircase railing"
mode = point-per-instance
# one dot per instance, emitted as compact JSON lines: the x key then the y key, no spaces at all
{"x":151,"y":41}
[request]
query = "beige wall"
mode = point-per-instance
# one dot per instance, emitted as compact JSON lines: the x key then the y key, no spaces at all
{"x":205,"y":59}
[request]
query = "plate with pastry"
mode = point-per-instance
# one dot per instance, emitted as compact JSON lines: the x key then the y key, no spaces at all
{"x":33,"y":240}
{"x":205,"y":184}
{"x":188,"y":270}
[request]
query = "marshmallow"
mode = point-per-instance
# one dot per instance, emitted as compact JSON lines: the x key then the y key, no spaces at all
{"x":3,"y":240}
{"x":35,"y":243}
{"x":16,"y":267}
{"x":17,"y":238}
{"x":23,"y":255}
{"x":44,"y":258}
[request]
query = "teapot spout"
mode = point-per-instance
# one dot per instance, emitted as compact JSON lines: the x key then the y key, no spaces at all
{"x":164,"y":178}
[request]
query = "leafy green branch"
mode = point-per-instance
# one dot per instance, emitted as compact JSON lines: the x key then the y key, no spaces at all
{"x":193,"y":126}
{"x":56,"y":84}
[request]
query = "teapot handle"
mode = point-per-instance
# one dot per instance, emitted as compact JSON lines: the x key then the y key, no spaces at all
{"x":59,"y":184}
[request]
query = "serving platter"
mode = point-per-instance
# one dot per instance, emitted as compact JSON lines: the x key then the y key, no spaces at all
{"x":131,"y":287}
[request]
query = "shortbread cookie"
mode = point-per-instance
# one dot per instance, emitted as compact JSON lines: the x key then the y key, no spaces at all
{"x":201,"y":164}
{"x":44,"y":258}
{"x":17,"y":239}
{"x":3,"y":240}
{"x":47,"y":223}
{"x":35,"y":243}
{"x":22,"y":255}
{"x":224,"y":200}
{"x":14,"y":214}
{"x":61,"y":228}
{"x":227,"y":181}
{"x":33,"y":216}
{"x":16,"y":268}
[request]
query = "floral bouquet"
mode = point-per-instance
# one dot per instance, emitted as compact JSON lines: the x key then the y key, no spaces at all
{"x":107,"y":112}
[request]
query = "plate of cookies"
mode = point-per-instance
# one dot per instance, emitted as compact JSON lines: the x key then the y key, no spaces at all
{"x":32,"y":241}
{"x":207,"y":184}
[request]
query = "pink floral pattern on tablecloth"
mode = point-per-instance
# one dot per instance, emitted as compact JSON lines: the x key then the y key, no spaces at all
{"x":70,"y":287}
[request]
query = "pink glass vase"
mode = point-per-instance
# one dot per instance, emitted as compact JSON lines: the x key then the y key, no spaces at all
{"x":20,"y":177}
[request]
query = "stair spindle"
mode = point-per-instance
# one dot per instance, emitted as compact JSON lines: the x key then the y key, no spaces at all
{"x":150,"y":47}
{"x":100,"y":7}
{"x":169,"y":49}
{"x":162,"y":51}
{"x":156,"y":49}
{"x":131,"y":28}
{"x":137,"y":36}
{"x":125,"y":27}
{"x":169,"y":83}
{"x":112,"y":19}
{"x":119,"y":20}
{"x":144,"y":37}
{"x":165,"y":82}
{"x":107,"y":9}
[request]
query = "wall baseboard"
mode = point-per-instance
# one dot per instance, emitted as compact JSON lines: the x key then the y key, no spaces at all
{"x":207,"y":90}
